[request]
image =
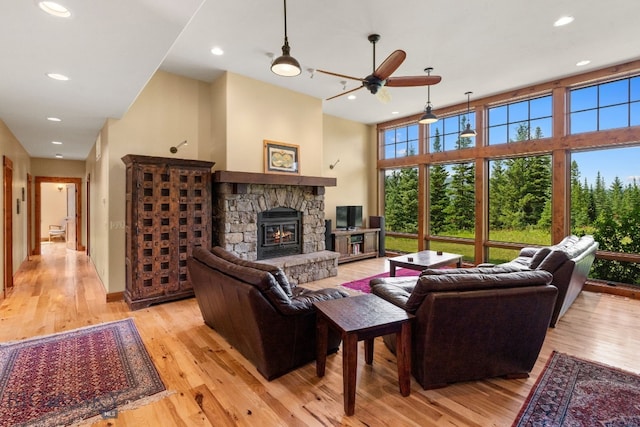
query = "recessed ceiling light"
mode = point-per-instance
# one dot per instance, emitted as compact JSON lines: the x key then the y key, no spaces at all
{"x":564,"y":20}
{"x":56,"y":76}
{"x":54,"y":119}
{"x":351,"y":97}
{"x":395,"y":112}
{"x":58,"y":156}
{"x":55,"y":9}
{"x":217,"y":51}
{"x":583,"y":63}
{"x":56,"y":142}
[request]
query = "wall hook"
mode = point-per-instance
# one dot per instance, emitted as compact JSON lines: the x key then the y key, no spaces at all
{"x":334,"y":165}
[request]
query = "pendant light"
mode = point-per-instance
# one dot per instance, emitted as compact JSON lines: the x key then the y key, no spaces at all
{"x":468,"y":132}
{"x":428,"y":116}
{"x":286,"y":65}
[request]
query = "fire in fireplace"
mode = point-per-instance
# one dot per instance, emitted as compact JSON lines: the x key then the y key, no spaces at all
{"x":279,"y":233}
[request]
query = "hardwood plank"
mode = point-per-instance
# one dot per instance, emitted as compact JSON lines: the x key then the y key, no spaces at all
{"x":213,"y":385}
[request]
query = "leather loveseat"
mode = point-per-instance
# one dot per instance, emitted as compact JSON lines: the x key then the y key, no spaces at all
{"x":472,"y":323}
{"x":569,"y":261}
{"x":253,"y":306}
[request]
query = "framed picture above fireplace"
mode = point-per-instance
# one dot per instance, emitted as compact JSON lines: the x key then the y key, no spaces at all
{"x":280,"y":157}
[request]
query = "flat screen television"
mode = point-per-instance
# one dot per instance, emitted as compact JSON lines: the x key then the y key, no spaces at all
{"x":348,"y":217}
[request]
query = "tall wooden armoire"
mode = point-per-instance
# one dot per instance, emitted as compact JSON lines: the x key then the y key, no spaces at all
{"x":168,"y":212}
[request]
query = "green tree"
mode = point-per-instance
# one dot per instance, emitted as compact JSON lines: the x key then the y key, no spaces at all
{"x":438,"y":198}
{"x":401,"y":200}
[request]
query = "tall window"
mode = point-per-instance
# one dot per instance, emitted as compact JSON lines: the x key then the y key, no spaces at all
{"x":400,"y":141}
{"x":452,"y":200}
{"x":533,"y":116}
{"x":520,"y":200}
{"x":444,"y":134}
{"x":401,"y":209}
{"x":605,"y":106}
{"x":605,"y":202}
{"x":401,"y":200}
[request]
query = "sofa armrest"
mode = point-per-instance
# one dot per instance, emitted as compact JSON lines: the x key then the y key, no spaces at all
{"x":396,"y":290}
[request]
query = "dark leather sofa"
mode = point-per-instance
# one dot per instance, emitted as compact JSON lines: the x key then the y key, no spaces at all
{"x":472,"y":323}
{"x":569,"y":261}
{"x":253,"y":306}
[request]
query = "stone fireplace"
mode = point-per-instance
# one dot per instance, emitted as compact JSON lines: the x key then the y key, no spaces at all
{"x":245,"y":203}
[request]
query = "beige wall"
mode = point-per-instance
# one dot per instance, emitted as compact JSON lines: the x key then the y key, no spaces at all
{"x":257,"y":111}
{"x":224,"y":122}
{"x":169,"y":110}
{"x":13,"y":150}
{"x":54,"y":206}
{"x":352,"y":144}
{"x":216,"y":151}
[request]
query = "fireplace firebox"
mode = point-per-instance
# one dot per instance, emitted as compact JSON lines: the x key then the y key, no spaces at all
{"x":279,"y":233}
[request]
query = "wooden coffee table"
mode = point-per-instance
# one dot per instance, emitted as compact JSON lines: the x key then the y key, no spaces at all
{"x":358,"y":318}
{"x":423,"y":260}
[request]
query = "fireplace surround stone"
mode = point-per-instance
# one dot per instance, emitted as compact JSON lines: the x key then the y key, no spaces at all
{"x":238,"y":197}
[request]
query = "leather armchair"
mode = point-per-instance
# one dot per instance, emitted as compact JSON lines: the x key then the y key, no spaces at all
{"x":472,"y":323}
{"x":252,"y":305}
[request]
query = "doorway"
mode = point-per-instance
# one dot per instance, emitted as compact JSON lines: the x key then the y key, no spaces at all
{"x":7,"y":166}
{"x":63,"y":214}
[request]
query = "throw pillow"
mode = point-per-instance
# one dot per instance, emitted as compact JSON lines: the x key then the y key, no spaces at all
{"x":538,"y":257}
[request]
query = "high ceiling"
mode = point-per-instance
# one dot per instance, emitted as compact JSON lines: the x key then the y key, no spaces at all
{"x":110,"y":49}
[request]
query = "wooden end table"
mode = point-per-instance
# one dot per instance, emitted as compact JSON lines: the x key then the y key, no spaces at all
{"x":358,"y":318}
{"x":423,"y":260}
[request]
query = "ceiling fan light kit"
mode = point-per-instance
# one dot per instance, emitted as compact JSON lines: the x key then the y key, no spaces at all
{"x":286,"y":65}
{"x":428,"y":117}
{"x":468,"y":132}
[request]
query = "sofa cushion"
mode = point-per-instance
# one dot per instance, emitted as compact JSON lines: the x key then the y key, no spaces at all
{"x":489,"y":269}
{"x":277,"y":272}
{"x":428,"y":283}
{"x":538,"y":257}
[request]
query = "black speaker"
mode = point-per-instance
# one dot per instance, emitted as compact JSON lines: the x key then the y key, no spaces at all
{"x":328,"y":240}
{"x":378,"y":222}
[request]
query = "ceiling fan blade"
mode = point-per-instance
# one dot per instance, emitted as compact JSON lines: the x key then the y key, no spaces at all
{"x":339,"y":75}
{"x":344,"y":93}
{"x":390,"y":64}
{"x":413,"y":81}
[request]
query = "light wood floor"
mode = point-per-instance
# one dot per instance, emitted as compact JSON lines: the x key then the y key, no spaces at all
{"x":60,"y":291}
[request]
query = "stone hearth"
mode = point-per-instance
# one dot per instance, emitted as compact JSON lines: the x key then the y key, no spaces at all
{"x":238,"y":197}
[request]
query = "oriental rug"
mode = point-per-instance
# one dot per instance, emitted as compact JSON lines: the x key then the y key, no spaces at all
{"x":362,"y":285}
{"x":575,"y":392}
{"x":69,"y":377}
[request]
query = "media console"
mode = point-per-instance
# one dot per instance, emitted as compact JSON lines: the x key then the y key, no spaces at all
{"x":356,"y":244}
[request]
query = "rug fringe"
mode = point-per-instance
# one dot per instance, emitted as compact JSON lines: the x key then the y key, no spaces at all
{"x":38,"y":337}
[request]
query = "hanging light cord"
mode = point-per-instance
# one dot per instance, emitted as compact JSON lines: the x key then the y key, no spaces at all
{"x":286,"y":40}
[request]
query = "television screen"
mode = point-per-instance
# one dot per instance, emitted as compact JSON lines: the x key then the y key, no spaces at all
{"x":348,"y":217}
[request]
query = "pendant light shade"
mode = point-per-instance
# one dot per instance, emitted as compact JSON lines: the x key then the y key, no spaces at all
{"x":468,"y":132}
{"x":428,"y":116}
{"x":286,"y":65}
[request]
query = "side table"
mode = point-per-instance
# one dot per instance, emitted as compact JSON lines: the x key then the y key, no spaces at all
{"x":358,"y":318}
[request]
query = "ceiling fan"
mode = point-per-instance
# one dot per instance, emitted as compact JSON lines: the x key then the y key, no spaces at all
{"x":381,"y":76}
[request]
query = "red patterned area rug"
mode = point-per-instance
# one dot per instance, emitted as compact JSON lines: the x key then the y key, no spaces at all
{"x":69,"y":377}
{"x":575,"y":392}
{"x":362,"y":285}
